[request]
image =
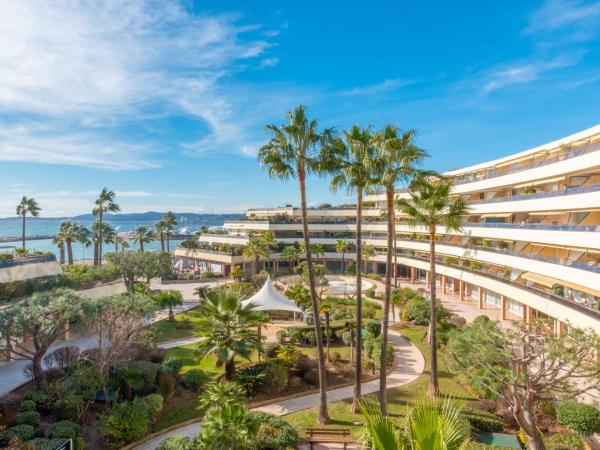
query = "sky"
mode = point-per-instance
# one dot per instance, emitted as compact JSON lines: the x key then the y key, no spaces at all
{"x":165,"y":102}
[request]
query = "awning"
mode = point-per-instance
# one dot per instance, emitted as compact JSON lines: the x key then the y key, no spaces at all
{"x":270,"y":299}
{"x":549,"y":282}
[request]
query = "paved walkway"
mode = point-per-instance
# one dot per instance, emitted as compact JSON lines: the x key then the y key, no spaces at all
{"x":11,"y":372}
{"x":408,"y":366}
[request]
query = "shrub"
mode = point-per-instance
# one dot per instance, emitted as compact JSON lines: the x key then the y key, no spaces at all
{"x":483,"y":421}
{"x":373,"y":328}
{"x":271,"y":349}
{"x":51,"y":444}
{"x":419,"y":311}
{"x":166,"y":386}
{"x":370,"y":293}
{"x":69,"y":406}
{"x":581,"y":418}
{"x":184,"y":324}
{"x":276,"y":373}
{"x":153,"y":403}
{"x":481,"y":319}
{"x":207,"y":274}
{"x":312,"y":376}
{"x":304,"y":363}
{"x":547,"y":408}
{"x":32,"y":418}
{"x":23,"y":432}
{"x":564,"y":441}
{"x":27,"y":405}
{"x":251,"y":378}
{"x":405,"y":316}
{"x":273,"y":432}
{"x":374,"y":276}
{"x":157,"y":355}
{"x":124,"y":423}
{"x":336,"y":357}
{"x":68,"y":430}
{"x":281,"y":336}
{"x":196,"y":378}
{"x":145,"y":370}
{"x":288,"y":353}
{"x":179,"y":442}
{"x":171,"y":365}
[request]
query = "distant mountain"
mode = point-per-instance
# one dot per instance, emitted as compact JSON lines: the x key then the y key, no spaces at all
{"x":152,"y":215}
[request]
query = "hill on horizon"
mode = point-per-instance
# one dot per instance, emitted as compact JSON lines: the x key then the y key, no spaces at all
{"x":150,"y":215}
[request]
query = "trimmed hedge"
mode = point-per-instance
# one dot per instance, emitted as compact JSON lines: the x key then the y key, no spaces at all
{"x":273,"y":432}
{"x":32,"y":418}
{"x":68,"y":430}
{"x":581,"y":418}
{"x":23,"y":432}
{"x":179,"y":442}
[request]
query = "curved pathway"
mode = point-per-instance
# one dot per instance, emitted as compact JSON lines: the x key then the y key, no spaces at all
{"x":408,"y":366}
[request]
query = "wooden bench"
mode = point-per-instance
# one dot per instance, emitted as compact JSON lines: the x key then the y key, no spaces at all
{"x":328,"y":436}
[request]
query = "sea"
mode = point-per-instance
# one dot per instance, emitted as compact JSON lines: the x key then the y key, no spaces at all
{"x":38,"y":226}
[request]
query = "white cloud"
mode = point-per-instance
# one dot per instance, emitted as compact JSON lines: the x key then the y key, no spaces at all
{"x":557,"y":14}
{"x":76,"y":69}
{"x":269,"y":62}
{"x":387,"y":85}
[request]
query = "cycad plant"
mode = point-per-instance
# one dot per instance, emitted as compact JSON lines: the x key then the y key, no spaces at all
{"x":397,"y":161}
{"x":295,"y":150}
{"x":26,"y":206}
{"x":353,"y":171}
{"x":431,"y":205}
{"x":430,"y":425}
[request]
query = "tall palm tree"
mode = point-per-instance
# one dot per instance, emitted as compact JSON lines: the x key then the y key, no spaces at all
{"x":431,"y":425}
{"x":170,"y":223}
{"x":70,"y":232}
{"x":104,"y":203}
{"x":255,"y":249}
{"x":100,"y":234}
{"x":228,"y":329}
{"x":142,"y":235}
{"x":120,"y":241}
{"x":342,"y":246}
{"x":60,"y":243}
{"x":27,"y":205}
{"x":161,"y":229}
{"x":296,"y":150}
{"x":368,"y":251}
{"x":291,"y":254}
{"x":270,"y":243}
{"x":431,"y":205}
{"x":397,"y":160}
{"x":356,"y":153}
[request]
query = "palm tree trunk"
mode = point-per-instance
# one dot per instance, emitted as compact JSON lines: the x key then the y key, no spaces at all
{"x":171,"y":315}
{"x":61,"y":249}
{"x":358,"y":354}
{"x":142,"y":246}
{"x":70,"y":252}
{"x":100,"y":237}
{"x":434,"y":389}
{"x":162,"y":243}
{"x":168,"y":243}
{"x":95,"y":253}
{"x":327,"y":334}
{"x":230,"y":369}
{"x":23,"y":231}
{"x":343,"y":253}
{"x":386,"y":303}
{"x":395,"y":259}
{"x":323,"y":414}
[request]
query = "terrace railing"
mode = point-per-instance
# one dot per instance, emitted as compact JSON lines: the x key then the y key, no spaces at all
{"x":545,"y":194}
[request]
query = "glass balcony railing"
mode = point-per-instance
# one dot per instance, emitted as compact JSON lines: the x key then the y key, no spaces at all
{"x":567,"y":155}
{"x":564,"y":192}
{"x":534,"y":226}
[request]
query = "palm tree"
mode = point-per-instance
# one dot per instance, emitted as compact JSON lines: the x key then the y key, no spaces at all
{"x":325,"y":308}
{"x":169,"y":299}
{"x":342,"y":246}
{"x":228,"y":329}
{"x":27,"y":205}
{"x":142,"y":235}
{"x":353,"y":172}
{"x":255,"y":249}
{"x":170,"y":222}
{"x":120,"y":241}
{"x":368,"y":251}
{"x":201,"y":292}
{"x":60,"y":243}
{"x":161,"y":229}
{"x":104,"y":203}
{"x":70,"y":233}
{"x":396,"y":161}
{"x":100,"y":234}
{"x":270,"y":243}
{"x":296,"y":150}
{"x":430,"y":205}
{"x":291,"y":254}
{"x":431,"y":425}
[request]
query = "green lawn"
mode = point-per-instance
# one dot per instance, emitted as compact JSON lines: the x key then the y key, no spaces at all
{"x":399,"y":399}
{"x":168,"y":331}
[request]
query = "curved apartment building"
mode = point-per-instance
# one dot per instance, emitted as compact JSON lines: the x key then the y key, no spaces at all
{"x":529,"y":248}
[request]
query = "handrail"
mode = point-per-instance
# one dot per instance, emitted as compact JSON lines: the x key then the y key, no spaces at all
{"x":533,"y":226}
{"x":545,"y":194}
{"x":581,"y":307}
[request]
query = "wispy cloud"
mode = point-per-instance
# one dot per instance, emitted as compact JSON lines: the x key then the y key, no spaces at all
{"x":385,"y":86}
{"x":559,"y":14}
{"x":91,"y":66}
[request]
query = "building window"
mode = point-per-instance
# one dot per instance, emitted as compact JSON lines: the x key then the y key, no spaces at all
{"x":491,"y":298}
{"x":514,"y":307}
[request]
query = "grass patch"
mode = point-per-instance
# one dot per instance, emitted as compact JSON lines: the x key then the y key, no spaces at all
{"x":400,"y":399}
{"x":166,"y":330}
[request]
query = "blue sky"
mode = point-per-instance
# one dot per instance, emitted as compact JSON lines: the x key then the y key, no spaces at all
{"x":165,"y":102}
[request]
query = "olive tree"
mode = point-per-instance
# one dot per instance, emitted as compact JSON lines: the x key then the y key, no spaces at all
{"x":526,"y":364}
{"x":29,"y":328}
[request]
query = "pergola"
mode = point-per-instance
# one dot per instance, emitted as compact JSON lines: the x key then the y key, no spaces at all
{"x":270,"y":299}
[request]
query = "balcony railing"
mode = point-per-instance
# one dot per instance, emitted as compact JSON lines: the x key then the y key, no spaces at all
{"x":571,"y":304}
{"x":534,"y":226}
{"x":545,"y":194}
{"x":568,"y":155}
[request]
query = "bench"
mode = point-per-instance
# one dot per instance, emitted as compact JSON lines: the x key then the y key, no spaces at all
{"x":328,"y":436}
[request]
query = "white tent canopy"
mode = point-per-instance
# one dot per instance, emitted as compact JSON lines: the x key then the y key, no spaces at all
{"x":270,"y":299}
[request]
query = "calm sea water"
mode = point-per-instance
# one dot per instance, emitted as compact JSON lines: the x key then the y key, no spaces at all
{"x":12,"y":228}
